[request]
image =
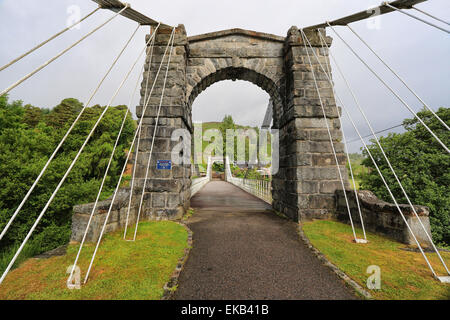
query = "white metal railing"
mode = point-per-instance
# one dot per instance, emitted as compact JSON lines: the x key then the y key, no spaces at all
{"x":199,"y":183}
{"x":260,"y":188}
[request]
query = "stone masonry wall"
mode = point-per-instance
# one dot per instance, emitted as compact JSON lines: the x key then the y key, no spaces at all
{"x":167,"y":192}
{"x":383,"y":217}
{"x":308,"y":176}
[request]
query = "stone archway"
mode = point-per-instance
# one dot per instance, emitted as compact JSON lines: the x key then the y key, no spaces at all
{"x":307,"y":179}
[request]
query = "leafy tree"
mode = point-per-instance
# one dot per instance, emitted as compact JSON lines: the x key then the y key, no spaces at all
{"x":27,"y":139}
{"x":422,"y":166}
{"x":32,"y":115}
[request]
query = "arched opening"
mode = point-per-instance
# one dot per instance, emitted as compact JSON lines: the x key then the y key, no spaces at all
{"x":240,"y":105}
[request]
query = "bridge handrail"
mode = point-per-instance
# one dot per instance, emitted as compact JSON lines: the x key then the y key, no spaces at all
{"x":259,"y":188}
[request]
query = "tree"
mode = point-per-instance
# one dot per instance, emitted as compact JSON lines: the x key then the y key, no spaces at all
{"x":27,"y":141}
{"x":422,"y":166}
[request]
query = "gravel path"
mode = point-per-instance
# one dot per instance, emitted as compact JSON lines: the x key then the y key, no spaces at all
{"x":242,"y":250}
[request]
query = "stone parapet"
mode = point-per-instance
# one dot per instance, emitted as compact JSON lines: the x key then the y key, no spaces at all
{"x":383,"y":217}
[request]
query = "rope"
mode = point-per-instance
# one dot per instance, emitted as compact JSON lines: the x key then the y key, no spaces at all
{"x":323,"y":42}
{"x":59,"y":54}
{"x":417,"y":18}
{"x":48,"y":40}
{"x":136,"y":154}
{"x":388,"y":162}
{"x":329,"y":132}
{"x":390,"y":89}
{"x":117,"y":187}
{"x":154,"y":132}
{"x":430,"y":15}
{"x":399,"y":78}
{"x":65,"y":137}
{"x":67,"y":173}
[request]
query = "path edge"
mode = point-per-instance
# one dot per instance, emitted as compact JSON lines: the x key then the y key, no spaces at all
{"x":171,"y":286}
{"x":341,"y":274}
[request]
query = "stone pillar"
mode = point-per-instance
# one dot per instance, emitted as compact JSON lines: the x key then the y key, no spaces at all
{"x":167,"y":192}
{"x":308,"y":175}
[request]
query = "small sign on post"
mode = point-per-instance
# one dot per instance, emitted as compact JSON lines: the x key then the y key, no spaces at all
{"x":164,"y":164}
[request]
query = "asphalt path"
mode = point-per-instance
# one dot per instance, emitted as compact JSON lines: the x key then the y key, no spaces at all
{"x":242,"y":250}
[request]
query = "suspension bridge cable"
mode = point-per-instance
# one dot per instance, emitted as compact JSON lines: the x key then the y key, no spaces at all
{"x":329,"y":132}
{"x":48,"y":40}
{"x":323,"y":43}
{"x":120,"y":180}
{"x":118,"y":185}
{"x":381,"y":175}
{"x":98,"y":194}
{"x":430,"y":15}
{"x":390,"y":89}
{"x":5,"y":91}
{"x":389,"y":189}
{"x":388,"y":162}
{"x":16,"y":212}
{"x":399,"y":78}
{"x":136,"y":154}
{"x":381,"y":131}
{"x":154,"y":133}
{"x":69,"y":280}
{"x":67,"y":172}
{"x":415,"y":17}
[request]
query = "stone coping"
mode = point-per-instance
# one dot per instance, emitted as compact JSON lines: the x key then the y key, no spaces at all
{"x":370,"y":201}
{"x":236,"y":31}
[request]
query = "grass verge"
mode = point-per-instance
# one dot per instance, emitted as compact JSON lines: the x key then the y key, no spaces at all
{"x":404,"y":274}
{"x":121,"y":270}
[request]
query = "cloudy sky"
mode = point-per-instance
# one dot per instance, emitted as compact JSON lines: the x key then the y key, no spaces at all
{"x":418,"y":52}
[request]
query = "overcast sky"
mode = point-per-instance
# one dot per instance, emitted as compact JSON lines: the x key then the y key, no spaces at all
{"x":418,"y":52}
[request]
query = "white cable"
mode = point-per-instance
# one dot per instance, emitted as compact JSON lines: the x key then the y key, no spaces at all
{"x":399,"y":78}
{"x":329,"y":132}
{"x":154,"y":132}
{"x":388,"y":162}
{"x":65,"y":137}
{"x":117,"y":188}
{"x":430,"y":15}
{"x":381,"y":175}
{"x":48,"y":40}
{"x":5,"y":91}
{"x":417,"y":18}
{"x":103,"y":181}
{"x":323,"y":42}
{"x":98,"y":195}
{"x":389,"y":190}
{"x":390,"y":89}
{"x":136,"y":153}
{"x":67,"y":173}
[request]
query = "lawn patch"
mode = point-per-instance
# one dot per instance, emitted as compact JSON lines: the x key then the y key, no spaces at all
{"x":404,"y":274}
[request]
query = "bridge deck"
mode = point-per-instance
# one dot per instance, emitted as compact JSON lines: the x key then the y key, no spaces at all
{"x":242,"y":250}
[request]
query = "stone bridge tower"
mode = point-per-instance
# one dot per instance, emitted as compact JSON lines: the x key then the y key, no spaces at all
{"x":307,"y":178}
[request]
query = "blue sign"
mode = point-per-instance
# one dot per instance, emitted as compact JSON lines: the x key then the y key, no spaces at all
{"x":164,"y":164}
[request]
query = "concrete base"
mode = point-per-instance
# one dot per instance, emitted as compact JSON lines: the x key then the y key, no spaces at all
{"x":361,"y":241}
{"x":445,"y":279}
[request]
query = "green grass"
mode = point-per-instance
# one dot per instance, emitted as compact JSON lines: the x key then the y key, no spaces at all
{"x":404,"y":274}
{"x":122,"y":270}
